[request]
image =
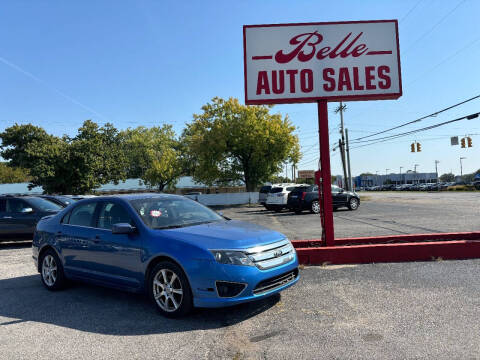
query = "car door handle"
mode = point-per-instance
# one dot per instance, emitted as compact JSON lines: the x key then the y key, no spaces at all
{"x":7,"y":217}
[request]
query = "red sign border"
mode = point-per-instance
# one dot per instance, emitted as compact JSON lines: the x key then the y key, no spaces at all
{"x":392,"y":96}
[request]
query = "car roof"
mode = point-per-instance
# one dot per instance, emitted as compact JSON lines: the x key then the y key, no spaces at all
{"x":128,"y":197}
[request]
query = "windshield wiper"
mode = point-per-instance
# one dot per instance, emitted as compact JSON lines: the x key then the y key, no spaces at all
{"x":183,"y":225}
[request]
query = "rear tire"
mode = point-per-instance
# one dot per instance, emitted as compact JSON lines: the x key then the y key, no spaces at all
{"x":169,"y":290}
{"x":353,"y":203}
{"x":51,"y":271}
{"x":315,"y":207}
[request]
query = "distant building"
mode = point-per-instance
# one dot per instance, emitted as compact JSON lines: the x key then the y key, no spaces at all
{"x":398,"y":179}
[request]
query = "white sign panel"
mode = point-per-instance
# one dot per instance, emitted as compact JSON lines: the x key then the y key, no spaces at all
{"x":295,"y":63}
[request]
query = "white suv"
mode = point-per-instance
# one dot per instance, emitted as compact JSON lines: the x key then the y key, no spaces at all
{"x":278,"y":196}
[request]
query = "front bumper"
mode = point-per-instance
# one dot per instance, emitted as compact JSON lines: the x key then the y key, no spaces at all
{"x":251,"y":276}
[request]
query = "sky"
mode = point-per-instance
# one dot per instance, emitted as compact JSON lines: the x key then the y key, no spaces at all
{"x":147,"y":63}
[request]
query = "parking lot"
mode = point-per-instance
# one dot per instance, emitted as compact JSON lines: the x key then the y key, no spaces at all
{"x":404,"y":310}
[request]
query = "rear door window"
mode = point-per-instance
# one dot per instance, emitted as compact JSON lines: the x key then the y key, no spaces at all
{"x":276,"y":190}
{"x":265,"y":189}
{"x":82,"y":215}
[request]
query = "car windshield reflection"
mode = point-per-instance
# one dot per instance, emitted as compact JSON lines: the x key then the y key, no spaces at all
{"x":158,"y":213}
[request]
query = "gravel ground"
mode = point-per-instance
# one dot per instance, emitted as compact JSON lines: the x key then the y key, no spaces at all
{"x":376,"y":311}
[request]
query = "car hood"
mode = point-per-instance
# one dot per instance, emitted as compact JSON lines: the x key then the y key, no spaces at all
{"x":230,"y":234}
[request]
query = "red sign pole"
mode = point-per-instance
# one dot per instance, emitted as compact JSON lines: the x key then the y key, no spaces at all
{"x":325,"y":188}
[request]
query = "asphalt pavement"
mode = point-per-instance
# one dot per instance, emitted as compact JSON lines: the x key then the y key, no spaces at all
{"x":427,"y":310}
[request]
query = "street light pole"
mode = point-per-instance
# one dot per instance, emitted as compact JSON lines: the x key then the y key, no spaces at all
{"x":436,"y":172}
{"x":376,"y":178}
{"x":461,"y":168}
{"x":415,"y":171}
{"x":401,"y":167}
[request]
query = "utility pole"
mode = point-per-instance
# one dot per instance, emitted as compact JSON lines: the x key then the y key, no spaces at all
{"x":286,"y":171}
{"x":340,"y":110}
{"x":376,"y":178}
{"x":415,"y":171}
{"x":461,"y":168}
{"x":436,"y":171}
{"x":342,"y":156}
{"x":401,"y":167}
{"x":350,"y":185}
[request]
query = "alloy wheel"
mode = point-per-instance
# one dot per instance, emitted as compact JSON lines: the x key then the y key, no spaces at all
{"x":315,"y":207}
{"x":167,"y":290}
{"x":353,"y":204}
{"x":49,"y":270}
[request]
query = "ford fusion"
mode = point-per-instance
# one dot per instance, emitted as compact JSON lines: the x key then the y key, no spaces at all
{"x":181,"y":253}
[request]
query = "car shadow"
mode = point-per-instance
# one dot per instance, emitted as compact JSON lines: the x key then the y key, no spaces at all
{"x":8,"y":245}
{"x":102,"y":310}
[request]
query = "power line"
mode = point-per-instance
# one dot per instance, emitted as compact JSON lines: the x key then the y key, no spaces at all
{"x":416,"y":120}
{"x":433,"y":27}
{"x":410,"y":11}
{"x":61,"y":93}
{"x":395,"y":136}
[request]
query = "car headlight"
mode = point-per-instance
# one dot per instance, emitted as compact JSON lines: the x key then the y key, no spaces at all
{"x":232,"y":257}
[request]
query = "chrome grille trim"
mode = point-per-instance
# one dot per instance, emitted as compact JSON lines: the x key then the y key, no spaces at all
{"x":275,"y":283}
{"x":271,"y":255}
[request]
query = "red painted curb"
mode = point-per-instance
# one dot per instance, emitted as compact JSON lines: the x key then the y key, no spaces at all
{"x":391,"y":239}
{"x":399,"y":252}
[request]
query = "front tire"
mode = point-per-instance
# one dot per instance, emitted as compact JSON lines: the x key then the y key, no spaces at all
{"x":51,"y":271}
{"x":169,"y":290}
{"x":353,"y":203}
{"x":315,"y":207}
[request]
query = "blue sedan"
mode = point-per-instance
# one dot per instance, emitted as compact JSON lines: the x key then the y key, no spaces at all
{"x":181,"y":253}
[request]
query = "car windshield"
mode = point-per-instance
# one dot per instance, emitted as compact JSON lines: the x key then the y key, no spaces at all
{"x":43,"y":204}
{"x":162,"y":213}
{"x":265,"y":189}
{"x":65,"y":199}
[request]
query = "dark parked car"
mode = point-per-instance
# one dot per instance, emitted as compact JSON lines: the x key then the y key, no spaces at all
{"x":306,"y":198}
{"x":61,"y":200}
{"x":19,"y":215}
{"x":178,"y":251}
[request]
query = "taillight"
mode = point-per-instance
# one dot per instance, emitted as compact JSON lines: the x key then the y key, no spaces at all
{"x":303,"y":195}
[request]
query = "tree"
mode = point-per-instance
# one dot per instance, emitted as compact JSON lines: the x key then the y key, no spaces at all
{"x":11,"y":175}
{"x":66,"y":165}
{"x":153,"y":155}
{"x":232,"y":142}
{"x":449,"y":177}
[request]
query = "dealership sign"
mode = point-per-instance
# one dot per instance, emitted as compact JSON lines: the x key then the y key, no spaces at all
{"x":306,"y":174}
{"x":333,"y":61}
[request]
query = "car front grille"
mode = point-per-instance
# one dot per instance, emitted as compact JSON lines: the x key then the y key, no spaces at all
{"x":275,"y":282}
{"x":272,"y":255}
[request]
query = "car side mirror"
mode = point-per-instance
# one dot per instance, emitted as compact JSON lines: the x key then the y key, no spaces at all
{"x":27,"y":210}
{"x":123,"y":228}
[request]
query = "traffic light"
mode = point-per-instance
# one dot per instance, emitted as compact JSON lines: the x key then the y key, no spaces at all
{"x":462,"y":142}
{"x":412,"y":147}
{"x":419,"y":147}
{"x":469,"y":141}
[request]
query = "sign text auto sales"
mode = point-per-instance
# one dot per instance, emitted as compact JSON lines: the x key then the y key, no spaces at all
{"x":332,"y":61}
